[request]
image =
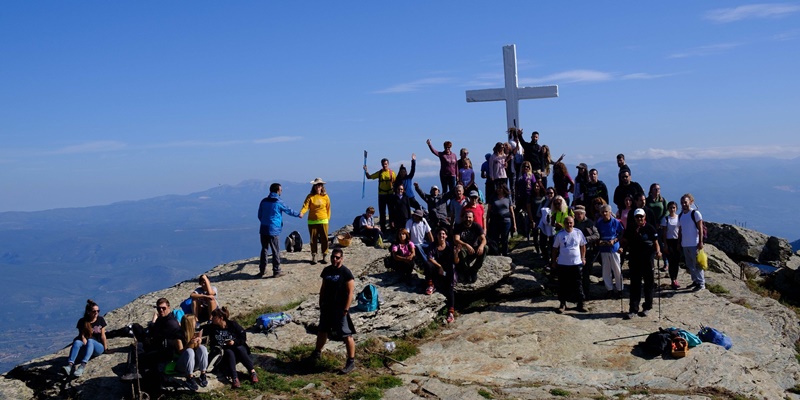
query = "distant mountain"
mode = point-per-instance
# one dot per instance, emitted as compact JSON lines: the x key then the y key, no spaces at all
{"x":796,"y":245}
{"x":53,"y":260}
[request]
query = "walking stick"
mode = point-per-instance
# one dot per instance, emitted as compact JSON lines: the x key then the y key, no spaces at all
{"x":620,"y":338}
{"x":364,"y":181}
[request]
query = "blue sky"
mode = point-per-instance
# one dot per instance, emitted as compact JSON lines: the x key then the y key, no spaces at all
{"x":109,"y":101}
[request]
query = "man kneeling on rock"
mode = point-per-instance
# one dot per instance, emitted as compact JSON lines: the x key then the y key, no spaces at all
{"x":470,"y":242}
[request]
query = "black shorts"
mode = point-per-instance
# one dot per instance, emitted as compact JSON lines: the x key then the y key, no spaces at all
{"x":337,"y":326}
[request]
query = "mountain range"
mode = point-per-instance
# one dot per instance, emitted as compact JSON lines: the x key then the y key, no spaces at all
{"x":54,"y":260}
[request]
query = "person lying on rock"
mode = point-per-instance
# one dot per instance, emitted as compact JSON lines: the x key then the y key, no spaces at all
{"x":470,"y":242}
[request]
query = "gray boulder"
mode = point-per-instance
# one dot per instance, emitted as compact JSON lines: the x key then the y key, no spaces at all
{"x":743,"y":244}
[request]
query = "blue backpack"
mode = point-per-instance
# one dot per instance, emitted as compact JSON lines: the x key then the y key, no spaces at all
{"x":268,"y":323}
{"x":368,"y":299}
{"x":711,"y":335}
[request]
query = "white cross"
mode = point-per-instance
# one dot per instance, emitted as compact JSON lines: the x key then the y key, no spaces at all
{"x":511,"y":93}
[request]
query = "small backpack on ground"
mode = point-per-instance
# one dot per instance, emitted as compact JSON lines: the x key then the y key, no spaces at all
{"x":294,"y":243}
{"x":711,"y":335}
{"x":368,"y":299}
{"x":268,"y":323}
{"x":658,"y":343}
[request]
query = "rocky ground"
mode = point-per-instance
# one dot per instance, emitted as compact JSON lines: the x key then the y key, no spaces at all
{"x":511,"y":345}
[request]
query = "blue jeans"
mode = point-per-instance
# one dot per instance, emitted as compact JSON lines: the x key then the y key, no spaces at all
{"x":92,"y":348}
{"x":422,"y":252}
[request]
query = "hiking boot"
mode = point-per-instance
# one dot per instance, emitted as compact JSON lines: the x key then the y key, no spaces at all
{"x":236,"y":384}
{"x":675,"y":285}
{"x":450,"y":318}
{"x":349,"y":366}
{"x":643,"y":313}
{"x":698,"y":288}
{"x":581,"y":308}
{"x":628,"y":316}
{"x":191,"y":384}
{"x":68,"y":369}
{"x":203,"y":380}
{"x":79,"y":370}
{"x":693,"y":285}
{"x":429,"y":291}
{"x":254,"y":377}
{"x":261,"y":272}
{"x":313,"y":258}
{"x":324,"y":258}
{"x":278,"y":274}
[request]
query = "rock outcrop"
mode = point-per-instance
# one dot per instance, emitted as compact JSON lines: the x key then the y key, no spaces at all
{"x":744,"y":244}
{"x":514,"y":347}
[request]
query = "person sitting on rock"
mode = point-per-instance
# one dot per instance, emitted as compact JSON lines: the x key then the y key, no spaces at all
{"x":440,"y":273}
{"x":204,"y":299}
{"x":470,"y":242}
{"x":91,"y":339}
{"x":569,"y":256}
{"x":158,"y":344}
{"x":367,"y":228}
{"x":437,"y":205}
{"x":402,"y":254}
{"x":419,"y":232}
{"x":194,"y":356}
{"x":476,"y":208}
{"x":232,"y":338}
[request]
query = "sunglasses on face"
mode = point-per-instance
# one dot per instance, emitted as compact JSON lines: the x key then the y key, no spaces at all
{"x":336,"y":257}
{"x":160,"y":308}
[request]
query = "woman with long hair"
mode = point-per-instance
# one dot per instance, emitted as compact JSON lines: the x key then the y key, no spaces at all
{"x":497,"y":169}
{"x":448,"y":169}
{"x":622,"y":215}
{"x":657,"y":203}
{"x":402,"y":254}
{"x":229,"y":335}
{"x":562,"y":181}
{"x":670,"y":228}
{"x":91,"y":339}
{"x":466,"y":175}
{"x":559,"y":212}
{"x":318,"y":205}
{"x":500,"y":218}
{"x":441,"y":270}
{"x":406,"y":178}
{"x":597,"y":208}
{"x":526,"y":188}
{"x":581,"y":180}
{"x":193,"y":356}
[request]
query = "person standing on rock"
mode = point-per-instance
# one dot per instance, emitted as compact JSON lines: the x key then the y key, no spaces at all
{"x":610,"y":230}
{"x":335,"y":297}
{"x":641,"y":240}
{"x":269,"y":213}
{"x":589,"y":230}
{"x":91,"y":339}
{"x":569,"y":256}
{"x":470,"y":243}
{"x":691,"y":234}
{"x":385,"y":177}
{"x":670,"y":229}
{"x":626,"y":188}
{"x":448,"y":169}
{"x":318,"y":205}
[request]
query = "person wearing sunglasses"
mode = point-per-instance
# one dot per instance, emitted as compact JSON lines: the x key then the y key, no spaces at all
{"x":91,"y":339}
{"x":335,"y":296}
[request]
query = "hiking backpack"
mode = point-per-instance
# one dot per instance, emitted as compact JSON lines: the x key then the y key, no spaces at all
{"x":658,"y":343}
{"x":368,"y":299}
{"x":690,"y":337}
{"x":711,"y":335}
{"x":268,"y":323}
{"x":357,"y":225}
{"x":294,"y":243}
{"x":705,"y":230}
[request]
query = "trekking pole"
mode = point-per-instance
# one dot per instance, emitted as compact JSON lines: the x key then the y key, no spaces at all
{"x":364,"y":180}
{"x":620,"y":338}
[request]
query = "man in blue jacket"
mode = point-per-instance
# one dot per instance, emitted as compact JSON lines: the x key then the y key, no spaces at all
{"x":269,"y":213}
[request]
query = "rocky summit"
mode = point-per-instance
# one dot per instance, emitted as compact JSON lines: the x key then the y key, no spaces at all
{"x":512,"y":345}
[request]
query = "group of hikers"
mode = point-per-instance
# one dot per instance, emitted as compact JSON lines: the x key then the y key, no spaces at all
{"x":570,"y":225}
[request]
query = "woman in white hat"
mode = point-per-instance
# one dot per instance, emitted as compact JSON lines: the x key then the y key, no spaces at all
{"x":318,"y":206}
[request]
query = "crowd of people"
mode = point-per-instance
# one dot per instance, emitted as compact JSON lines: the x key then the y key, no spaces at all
{"x":570,"y":224}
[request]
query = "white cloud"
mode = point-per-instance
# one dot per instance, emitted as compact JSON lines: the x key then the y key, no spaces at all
{"x":414,"y":86}
{"x":706,"y":50}
{"x":643,"y":75}
{"x":786,"y":188}
{"x":788,"y":35}
{"x":692,"y":153}
{"x":101,"y":146}
{"x":724,"y":15}
{"x":576,"y":75}
{"x":278,"y":139}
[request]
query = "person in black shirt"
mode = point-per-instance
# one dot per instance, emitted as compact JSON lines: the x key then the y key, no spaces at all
{"x":440,"y":273}
{"x":91,"y":339}
{"x":626,"y":188}
{"x":470,"y":242}
{"x":335,"y":296}
{"x":641,"y":240}
{"x":622,"y":166}
{"x":232,"y":338}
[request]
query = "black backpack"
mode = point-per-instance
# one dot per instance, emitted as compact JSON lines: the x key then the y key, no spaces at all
{"x":294,"y":243}
{"x":657,"y":343}
{"x":357,"y":225}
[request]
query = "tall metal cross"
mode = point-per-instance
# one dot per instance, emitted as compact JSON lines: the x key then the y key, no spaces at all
{"x":511,"y":93}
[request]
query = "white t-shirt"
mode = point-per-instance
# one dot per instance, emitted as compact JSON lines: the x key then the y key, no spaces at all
{"x":544,"y":222}
{"x":417,"y":232}
{"x":672,"y":225}
{"x":569,"y":246}
{"x":689,"y":237}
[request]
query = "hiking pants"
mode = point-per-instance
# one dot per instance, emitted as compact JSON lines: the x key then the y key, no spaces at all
{"x":641,"y":270}
{"x":383,"y":205}
{"x":192,"y":360}
{"x":690,"y":255}
{"x":611,"y":269}
{"x":319,"y":234}
{"x":270,"y":242}
{"x":673,"y":257}
{"x":233,"y":355}
{"x":569,"y":283}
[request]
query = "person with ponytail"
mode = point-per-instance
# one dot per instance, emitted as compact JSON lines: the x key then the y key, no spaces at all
{"x":229,"y":335}
{"x":91,"y":339}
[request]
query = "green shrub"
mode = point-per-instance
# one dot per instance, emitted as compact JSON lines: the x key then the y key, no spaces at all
{"x":717,"y":288}
{"x":560,"y":392}
{"x":485,"y":393}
